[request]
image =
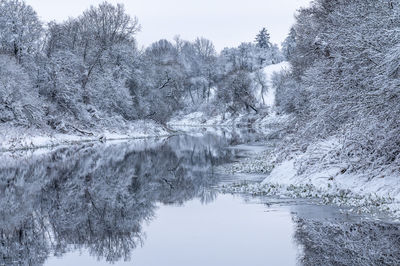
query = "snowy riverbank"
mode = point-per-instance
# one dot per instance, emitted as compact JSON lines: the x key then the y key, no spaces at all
{"x":325,"y":180}
{"x":304,"y":174}
{"x":19,"y":138}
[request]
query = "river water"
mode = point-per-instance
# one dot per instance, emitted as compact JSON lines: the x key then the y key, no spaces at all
{"x":156,"y":202}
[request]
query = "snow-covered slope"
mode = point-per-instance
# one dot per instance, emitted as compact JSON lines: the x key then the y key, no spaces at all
{"x":269,"y":95}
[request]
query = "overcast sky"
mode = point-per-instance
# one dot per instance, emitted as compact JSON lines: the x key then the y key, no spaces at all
{"x":226,"y":22}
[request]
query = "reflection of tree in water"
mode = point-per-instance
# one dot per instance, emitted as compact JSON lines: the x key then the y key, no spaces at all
{"x":347,"y":243}
{"x":97,"y":197}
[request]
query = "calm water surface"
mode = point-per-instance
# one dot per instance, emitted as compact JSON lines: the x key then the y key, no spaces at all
{"x":154,"y":202}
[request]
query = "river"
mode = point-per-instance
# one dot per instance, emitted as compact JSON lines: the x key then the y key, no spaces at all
{"x":156,"y":202}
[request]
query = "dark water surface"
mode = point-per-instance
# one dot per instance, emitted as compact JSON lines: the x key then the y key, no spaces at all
{"x":155,"y":202}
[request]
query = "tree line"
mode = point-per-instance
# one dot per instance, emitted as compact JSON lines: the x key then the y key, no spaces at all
{"x":88,"y":71}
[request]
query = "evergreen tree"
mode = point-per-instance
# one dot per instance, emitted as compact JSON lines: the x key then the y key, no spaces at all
{"x":263,"y":39}
{"x":289,"y":45}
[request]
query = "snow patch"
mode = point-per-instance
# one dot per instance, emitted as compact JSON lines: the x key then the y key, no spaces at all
{"x":285,"y":173}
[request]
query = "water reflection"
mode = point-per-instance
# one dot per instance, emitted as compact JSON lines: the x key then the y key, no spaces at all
{"x":348,"y":243}
{"x":97,"y":196}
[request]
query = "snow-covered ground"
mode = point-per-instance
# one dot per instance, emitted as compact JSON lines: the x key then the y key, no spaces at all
{"x":17,"y":138}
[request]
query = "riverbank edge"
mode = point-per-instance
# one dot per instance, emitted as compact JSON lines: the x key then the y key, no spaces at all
{"x":328,"y":183}
{"x":19,"y":139}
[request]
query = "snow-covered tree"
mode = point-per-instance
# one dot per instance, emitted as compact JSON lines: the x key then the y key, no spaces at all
{"x":263,"y":39}
{"x":19,"y":102}
{"x":20,"y":29}
{"x":92,"y":37}
{"x":289,"y":45}
{"x":90,"y":60}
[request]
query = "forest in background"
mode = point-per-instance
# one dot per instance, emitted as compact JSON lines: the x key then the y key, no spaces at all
{"x":88,"y":72}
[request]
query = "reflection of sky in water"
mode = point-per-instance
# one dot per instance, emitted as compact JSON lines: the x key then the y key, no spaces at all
{"x":224,"y":232}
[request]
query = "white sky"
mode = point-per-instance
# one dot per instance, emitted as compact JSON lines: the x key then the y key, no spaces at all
{"x":226,"y":23}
